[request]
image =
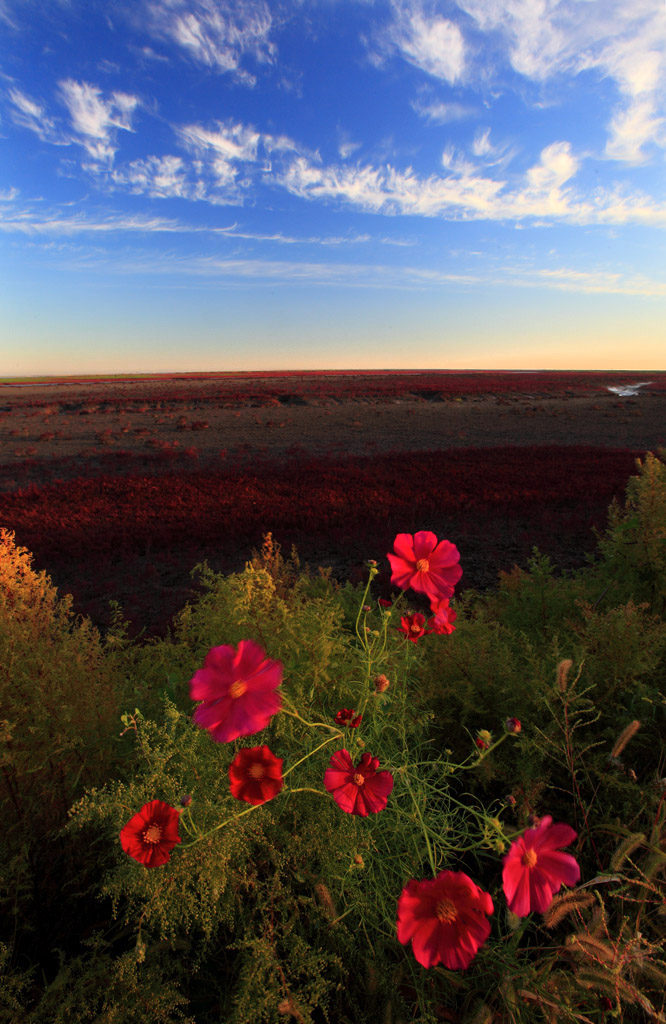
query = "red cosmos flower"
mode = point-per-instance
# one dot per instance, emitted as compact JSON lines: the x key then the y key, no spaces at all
{"x":444,"y":616}
{"x":424,"y":565}
{"x":346,"y":717}
{"x":534,"y":869}
{"x":384,"y":603}
{"x":413,"y":626}
{"x":357,"y":790}
{"x":151,"y":834}
{"x":445,"y":919}
{"x":255,"y":775}
{"x":237,"y":689}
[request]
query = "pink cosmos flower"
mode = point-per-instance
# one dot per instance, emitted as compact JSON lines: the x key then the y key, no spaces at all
{"x":445,"y":918}
{"x":534,"y":868}
{"x":424,"y":565}
{"x":359,"y":790}
{"x":238,"y":690}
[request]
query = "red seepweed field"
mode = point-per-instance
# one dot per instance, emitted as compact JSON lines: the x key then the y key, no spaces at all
{"x":120,"y":485}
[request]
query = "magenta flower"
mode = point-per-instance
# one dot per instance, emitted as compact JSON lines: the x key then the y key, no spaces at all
{"x":424,"y":565}
{"x":238,"y":691}
{"x":534,"y":868}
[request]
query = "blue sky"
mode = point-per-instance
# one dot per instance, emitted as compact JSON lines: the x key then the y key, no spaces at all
{"x":325,"y":184}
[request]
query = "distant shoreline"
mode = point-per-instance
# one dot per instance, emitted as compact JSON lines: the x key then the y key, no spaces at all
{"x":53,"y":381}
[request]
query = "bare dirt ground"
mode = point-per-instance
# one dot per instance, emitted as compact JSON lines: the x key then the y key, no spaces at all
{"x":81,"y":422}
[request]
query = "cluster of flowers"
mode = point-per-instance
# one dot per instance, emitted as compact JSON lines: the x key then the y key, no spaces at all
{"x":446,"y":918}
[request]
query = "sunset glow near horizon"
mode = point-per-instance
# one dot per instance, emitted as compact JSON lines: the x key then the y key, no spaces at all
{"x":237,"y":184}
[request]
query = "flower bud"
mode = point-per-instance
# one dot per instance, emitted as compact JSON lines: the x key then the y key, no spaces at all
{"x":381,"y":683}
{"x":366,"y":608}
{"x":359,"y":860}
{"x":512,"y":725}
{"x":384,"y":603}
{"x":185,"y":800}
{"x":510,"y":800}
{"x":371,"y":562}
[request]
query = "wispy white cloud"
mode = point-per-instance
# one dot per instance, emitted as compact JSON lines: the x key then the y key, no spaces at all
{"x":437,"y":112}
{"x":224,"y":150}
{"x":622,"y":41}
{"x":373,"y":276}
{"x":631,"y":128}
{"x":216,"y":33}
{"x":34,"y":220}
{"x":96,"y":120}
{"x":282,"y":239}
{"x":28,"y":221}
{"x":346,"y":147}
{"x":165,"y":177}
{"x":426,"y":40}
{"x":6,"y":16}
{"x":543,"y":194}
{"x":29,"y":113}
{"x":599,"y":282}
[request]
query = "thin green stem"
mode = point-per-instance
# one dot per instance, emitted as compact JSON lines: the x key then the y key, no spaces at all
{"x":329,"y":740}
{"x":424,"y":829}
{"x":248,"y":810}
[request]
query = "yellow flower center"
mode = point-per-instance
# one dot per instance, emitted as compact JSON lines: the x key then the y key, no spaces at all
{"x":359,"y":779}
{"x":153,"y":834}
{"x":238,"y":688}
{"x":529,"y":858}
{"x":256,"y":771}
{"x":446,"y":911}
{"x":415,"y":628}
{"x":423,"y":565}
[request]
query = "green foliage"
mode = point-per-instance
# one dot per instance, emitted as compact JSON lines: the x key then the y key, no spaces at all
{"x":287,"y":910}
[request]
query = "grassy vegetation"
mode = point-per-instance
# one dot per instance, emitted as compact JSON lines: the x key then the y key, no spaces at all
{"x":288,"y":911}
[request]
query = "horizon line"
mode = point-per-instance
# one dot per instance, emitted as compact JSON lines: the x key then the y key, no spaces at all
{"x":350,"y":370}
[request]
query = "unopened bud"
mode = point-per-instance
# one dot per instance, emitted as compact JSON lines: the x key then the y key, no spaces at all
{"x":371,"y":562}
{"x":366,"y":608}
{"x":381,"y":683}
{"x":512,"y":725}
{"x":359,"y":860}
{"x":510,"y":800}
{"x":186,"y":800}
